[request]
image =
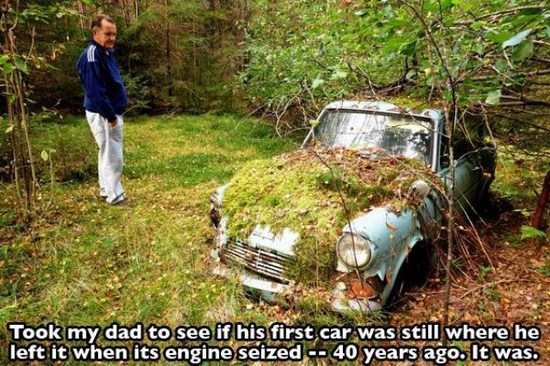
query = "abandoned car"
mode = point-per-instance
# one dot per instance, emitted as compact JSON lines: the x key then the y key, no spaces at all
{"x":351,"y":211}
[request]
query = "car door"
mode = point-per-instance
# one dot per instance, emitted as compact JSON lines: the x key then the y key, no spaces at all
{"x":468,"y":176}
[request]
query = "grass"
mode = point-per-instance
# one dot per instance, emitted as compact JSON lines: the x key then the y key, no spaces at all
{"x":519,"y":176}
{"x":88,"y":263}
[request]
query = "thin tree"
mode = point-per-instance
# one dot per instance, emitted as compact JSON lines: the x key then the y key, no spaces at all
{"x":15,"y":66}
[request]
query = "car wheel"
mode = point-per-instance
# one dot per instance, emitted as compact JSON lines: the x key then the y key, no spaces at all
{"x":413,"y":273}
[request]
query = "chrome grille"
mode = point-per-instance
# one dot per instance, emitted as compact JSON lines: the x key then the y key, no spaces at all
{"x":268,"y":264}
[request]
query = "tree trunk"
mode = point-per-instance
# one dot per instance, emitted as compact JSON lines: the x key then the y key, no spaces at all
{"x":537,"y":220}
{"x":125,"y":12}
{"x":168,"y":51}
{"x":81,"y":12}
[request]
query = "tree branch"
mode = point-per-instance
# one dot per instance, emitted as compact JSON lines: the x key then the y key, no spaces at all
{"x":519,"y":120}
{"x":518,"y":74}
{"x":503,"y":12}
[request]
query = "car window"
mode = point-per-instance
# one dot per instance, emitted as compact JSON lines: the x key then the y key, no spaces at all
{"x":397,"y":135}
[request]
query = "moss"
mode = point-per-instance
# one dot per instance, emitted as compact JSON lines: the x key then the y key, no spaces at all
{"x":309,"y":191}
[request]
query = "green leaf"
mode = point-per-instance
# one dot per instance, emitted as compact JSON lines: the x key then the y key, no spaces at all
{"x":446,"y":4}
{"x":479,"y":48}
{"x":412,"y":73}
{"x":317,"y":83}
{"x":408,"y":48}
{"x":478,"y":25}
{"x":493,"y":98}
{"x":529,"y":232}
{"x":498,"y":37}
{"x":3,"y":59}
{"x":501,"y":65}
{"x":44,"y":155}
{"x":9,"y":129}
{"x":517,"y":39}
{"x":524,"y":50}
{"x":21,"y":64}
{"x":466,"y":5}
{"x":8,"y":68}
{"x":523,"y":19}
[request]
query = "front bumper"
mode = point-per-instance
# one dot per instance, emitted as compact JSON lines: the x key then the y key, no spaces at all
{"x":274,"y":293}
{"x":344,"y":305}
{"x":269,"y":291}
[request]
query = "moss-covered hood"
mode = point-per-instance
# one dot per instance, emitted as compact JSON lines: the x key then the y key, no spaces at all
{"x":314,"y":192}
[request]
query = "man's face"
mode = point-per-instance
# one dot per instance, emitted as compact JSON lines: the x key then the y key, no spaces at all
{"x":105,"y":36}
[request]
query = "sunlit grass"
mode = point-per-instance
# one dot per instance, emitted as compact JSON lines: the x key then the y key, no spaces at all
{"x":88,"y":263}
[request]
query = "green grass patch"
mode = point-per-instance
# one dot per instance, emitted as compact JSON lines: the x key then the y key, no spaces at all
{"x":518,"y":176}
{"x":85,"y":262}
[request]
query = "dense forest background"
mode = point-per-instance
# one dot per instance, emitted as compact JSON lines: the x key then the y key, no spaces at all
{"x":291,"y":56}
{"x":285,"y":59}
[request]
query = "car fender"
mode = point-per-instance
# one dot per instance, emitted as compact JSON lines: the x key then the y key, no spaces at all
{"x":389,"y":234}
{"x":399,"y":262}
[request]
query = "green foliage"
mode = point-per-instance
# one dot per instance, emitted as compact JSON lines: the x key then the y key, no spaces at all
{"x":519,"y":174}
{"x":181,"y":55}
{"x":42,"y":32}
{"x":545,"y":270}
{"x":302,"y":54}
{"x":529,"y":232}
{"x":69,"y":145}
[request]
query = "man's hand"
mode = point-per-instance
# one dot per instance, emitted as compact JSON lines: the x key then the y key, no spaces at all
{"x":113,"y":123}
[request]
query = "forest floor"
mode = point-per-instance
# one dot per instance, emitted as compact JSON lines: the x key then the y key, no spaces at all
{"x":83,"y":262}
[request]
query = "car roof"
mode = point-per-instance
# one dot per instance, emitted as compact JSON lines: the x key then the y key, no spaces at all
{"x":383,"y":106}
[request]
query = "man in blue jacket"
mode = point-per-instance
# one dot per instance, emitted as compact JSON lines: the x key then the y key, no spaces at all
{"x":105,"y":100}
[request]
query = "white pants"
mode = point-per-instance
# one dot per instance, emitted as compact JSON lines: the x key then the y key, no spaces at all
{"x":109,"y":159}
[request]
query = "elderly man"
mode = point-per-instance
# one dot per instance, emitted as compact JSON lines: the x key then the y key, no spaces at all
{"x":105,"y":100}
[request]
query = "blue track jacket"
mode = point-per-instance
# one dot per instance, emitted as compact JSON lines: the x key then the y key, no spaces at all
{"x":103,"y":87}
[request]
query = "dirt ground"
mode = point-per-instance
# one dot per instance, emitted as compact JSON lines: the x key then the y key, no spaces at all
{"x":508,"y":291}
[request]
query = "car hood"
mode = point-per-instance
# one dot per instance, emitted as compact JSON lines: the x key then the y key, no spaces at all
{"x":298,"y":203}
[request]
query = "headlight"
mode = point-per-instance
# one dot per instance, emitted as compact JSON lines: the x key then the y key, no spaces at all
{"x":353,"y":250}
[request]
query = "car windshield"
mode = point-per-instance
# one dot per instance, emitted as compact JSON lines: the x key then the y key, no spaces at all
{"x":398,"y":135}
